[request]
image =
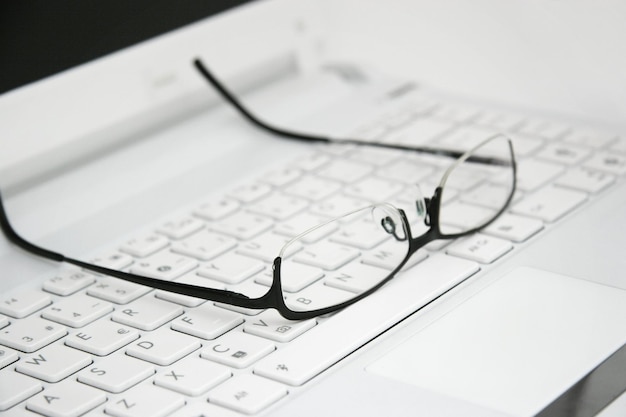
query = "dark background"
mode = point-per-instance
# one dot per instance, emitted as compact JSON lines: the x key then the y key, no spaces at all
{"x":42,"y":37}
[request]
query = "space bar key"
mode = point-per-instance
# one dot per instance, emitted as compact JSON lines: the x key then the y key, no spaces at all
{"x":326,"y":344}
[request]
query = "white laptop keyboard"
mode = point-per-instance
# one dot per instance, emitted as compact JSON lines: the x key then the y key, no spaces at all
{"x":98,"y":345}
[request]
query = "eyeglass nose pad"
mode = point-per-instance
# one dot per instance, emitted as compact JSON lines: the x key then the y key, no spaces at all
{"x":421,"y":206}
{"x":389,"y":221}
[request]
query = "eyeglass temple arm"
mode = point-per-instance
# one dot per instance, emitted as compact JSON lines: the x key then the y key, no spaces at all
{"x":171,"y":286}
{"x":16,"y":239}
{"x":257,"y":121}
{"x":230,"y":97}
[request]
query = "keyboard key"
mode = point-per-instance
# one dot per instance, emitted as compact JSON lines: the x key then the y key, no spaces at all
{"x":327,"y":256}
{"x":205,"y":245}
{"x":53,"y":363}
{"x":610,"y":162}
{"x":345,"y":171}
{"x":207,"y":322}
{"x":164,"y":265}
{"x":355,"y":277}
{"x":303,"y":222}
{"x":116,"y":290}
{"x":77,"y":311}
{"x":317,"y":296}
{"x":362,"y":234}
{"x":532,"y":174}
{"x":585,"y":179}
{"x":463,"y":179}
{"x":619,"y":145}
{"x":465,"y":137}
{"x":371,"y":132}
{"x":514,"y":228}
{"x":31,"y":334}
{"x":500,"y":121}
{"x":192,"y":376}
{"x":406,"y":171}
{"x":181,"y":228}
{"x":387,"y":256}
{"x":163,"y":346}
{"x":247,"y":393}
{"x":24,"y":304}
{"x":145,"y":400}
{"x":68,"y":282}
{"x":313,"y":188}
{"x":549,"y":204}
{"x":463,"y":216}
{"x":267,"y":247}
{"x":456,"y":113}
{"x":589,"y":137}
{"x":102,"y":337}
{"x":186,"y":300}
{"x":231,"y":268}
{"x":420,"y":132}
{"x":144,"y":246}
{"x":544,"y":128}
{"x":252,"y":290}
{"x":271,"y":325}
{"x":147,"y":313}
{"x":298,"y":276}
{"x":204,"y":408}
{"x":242,"y":225}
{"x":312,"y":161}
{"x":114,"y":261}
{"x":7,"y":356}
{"x":237,"y":349}
{"x":250,"y":193}
{"x":353,"y":327}
{"x":337,"y":206}
{"x":487,"y":195}
{"x":564,"y":153}
{"x":338,"y":149}
{"x":116,"y":373}
{"x":279,"y":206}
{"x":480,"y":248}
{"x":282,"y":177}
{"x":16,"y":388}
{"x":373,"y":189}
{"x":525,"y":145}
{"x":217,"y":209}
{"x":66,"y":399}
{"x":379,"y":157}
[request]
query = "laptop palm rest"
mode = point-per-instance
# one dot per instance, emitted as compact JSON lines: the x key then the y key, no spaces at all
{"x":517,"y":345}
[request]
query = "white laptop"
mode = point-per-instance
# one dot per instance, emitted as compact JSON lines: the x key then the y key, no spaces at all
{"x":134,"y":162}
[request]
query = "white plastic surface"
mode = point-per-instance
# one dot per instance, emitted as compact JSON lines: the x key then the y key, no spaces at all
{"x":516,"y":345}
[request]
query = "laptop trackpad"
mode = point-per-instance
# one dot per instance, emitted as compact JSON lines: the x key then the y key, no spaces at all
{"x":515,"y":346}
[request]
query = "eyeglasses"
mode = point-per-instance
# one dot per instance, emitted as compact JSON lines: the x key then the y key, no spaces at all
{"x":340,"y":261}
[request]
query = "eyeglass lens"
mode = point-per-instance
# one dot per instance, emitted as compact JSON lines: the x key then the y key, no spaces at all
{"x":475,"y":192}
{"x":339,"y":260}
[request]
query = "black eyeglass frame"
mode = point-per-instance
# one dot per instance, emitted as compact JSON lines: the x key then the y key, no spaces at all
{"x":274,"y":298}
{"x":433,"y":210}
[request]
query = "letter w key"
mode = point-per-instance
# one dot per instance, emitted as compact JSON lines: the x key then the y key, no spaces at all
{"x":53,"y":363}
